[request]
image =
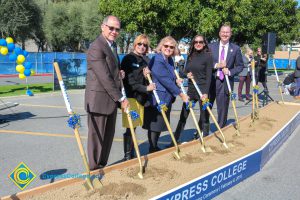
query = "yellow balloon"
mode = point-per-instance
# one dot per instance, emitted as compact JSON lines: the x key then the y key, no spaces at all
{"x":32,"y":72}
{"x":4,"y":51}
{"x":20,"y":69}
{"x":22,"y":76}
{"x":9,"y":40}
{"x":19,"y":63}
{"x":20,"y":59}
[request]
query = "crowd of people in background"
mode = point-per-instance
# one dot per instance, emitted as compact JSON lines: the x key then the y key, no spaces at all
{"x":111,"y":84}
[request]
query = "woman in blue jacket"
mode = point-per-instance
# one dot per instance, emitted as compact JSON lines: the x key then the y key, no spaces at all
{"x":162,"y":69}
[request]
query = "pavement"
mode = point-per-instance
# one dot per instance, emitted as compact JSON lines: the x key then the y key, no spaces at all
{"x":35,"y":132}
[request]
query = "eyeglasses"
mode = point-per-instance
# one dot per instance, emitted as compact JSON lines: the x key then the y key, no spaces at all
{"x":168,"y":46}
{"x":140,"y":44}
{"x":111,"y":28}
{"x":198,"y":42}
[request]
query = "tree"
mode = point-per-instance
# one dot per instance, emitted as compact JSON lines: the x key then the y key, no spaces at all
{"x":250,"y":19}
{"x":69,"y":25}
{"x":25,"y":22}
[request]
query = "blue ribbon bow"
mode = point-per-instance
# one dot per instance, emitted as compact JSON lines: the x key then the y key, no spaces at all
{"x":162,"y":106}
{"x":189,"y":105}
{"x":205,"y":104}
{"x":134,"y":115}
{"x":74,"y":121}
{"x":233,"y":96}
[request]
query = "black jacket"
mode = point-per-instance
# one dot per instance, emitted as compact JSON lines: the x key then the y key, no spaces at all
{"x":135,"y":83}
{"x":297,"y":68}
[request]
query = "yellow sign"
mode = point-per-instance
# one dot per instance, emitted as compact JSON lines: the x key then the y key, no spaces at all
{"x":22,"y":176}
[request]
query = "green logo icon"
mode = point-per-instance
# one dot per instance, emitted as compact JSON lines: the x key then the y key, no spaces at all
{"x":22,"y":176}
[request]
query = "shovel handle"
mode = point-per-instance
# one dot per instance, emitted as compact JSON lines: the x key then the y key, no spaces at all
{"x":63,"y":88}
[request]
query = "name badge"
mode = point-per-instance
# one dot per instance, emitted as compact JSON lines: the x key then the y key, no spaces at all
{"x":135,"y":65}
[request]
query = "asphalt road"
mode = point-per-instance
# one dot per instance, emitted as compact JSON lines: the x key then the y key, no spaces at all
{"x":36,"y":133}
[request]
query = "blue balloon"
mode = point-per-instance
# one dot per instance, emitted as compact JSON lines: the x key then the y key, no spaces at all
{"x":25,"y":53}
{"x":27,"y":65}
{"x":12,"y":57}
{"x":27,"y":72}
{"x":3,"y":42}
{"x":11,"y":47}
{"x":18,"y":51}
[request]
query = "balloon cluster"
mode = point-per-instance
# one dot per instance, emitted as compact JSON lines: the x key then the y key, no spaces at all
{"x":16,"y":54}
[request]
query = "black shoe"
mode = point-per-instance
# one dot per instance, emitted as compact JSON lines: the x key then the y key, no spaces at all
{"x":242,"y":100}
{"x":172,"y":144}
{"x":196,"y":136}
{"x":152,"y":150}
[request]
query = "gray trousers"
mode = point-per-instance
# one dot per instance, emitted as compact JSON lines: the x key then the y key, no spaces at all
{"x":101,"y":131}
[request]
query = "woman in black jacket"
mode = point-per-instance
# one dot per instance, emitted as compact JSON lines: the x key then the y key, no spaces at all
{"x":199,"y":66}
{"x":297,"y":78}
{"x":135,"y":65}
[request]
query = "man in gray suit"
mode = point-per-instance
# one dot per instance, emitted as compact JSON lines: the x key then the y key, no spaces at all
{"x":103,"y":92}
{"x":227,"y":60}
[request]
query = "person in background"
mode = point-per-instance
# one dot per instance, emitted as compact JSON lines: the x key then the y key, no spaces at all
{"x":135,"y":66}
{"x":245,"y":75}
{"x":297,"y":78}
{"x":261,"y":68}
{"x":103,"y":92}
{"x":227,"y":60}
{"x":162,"y":70}
{"x":199,"y":66}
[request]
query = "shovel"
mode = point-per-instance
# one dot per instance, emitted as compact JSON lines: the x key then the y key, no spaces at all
{"x":203,"y":147}
{"x":135,"y":144}
{"x":212,"y":115}
{"x":232,"y":97}
{"x":254,"y":114}
{"x":133,"y":115}
{"x":278,"y":81}
{"x":88,"y":184}
{"x":163,"y":109}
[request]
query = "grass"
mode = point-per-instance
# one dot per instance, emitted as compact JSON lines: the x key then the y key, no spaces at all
{"x":15,"y":90}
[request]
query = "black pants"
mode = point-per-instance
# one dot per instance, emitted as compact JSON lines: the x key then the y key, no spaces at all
{"x":203,"y":120}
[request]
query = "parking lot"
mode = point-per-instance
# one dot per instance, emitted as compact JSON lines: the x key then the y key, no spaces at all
{"x":36,"y":133}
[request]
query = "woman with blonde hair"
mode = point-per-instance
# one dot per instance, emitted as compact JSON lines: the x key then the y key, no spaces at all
{"x":162,"y":69}
{"x":135,"y":65}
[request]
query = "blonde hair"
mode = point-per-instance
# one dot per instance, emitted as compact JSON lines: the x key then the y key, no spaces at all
{"x":139,"y":39}
{"x":165,"y":40}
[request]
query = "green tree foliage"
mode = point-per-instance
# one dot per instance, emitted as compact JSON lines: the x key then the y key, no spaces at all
{"x":250,"y":19}
{"x":69,"y":24}
{"x":21,"y":20}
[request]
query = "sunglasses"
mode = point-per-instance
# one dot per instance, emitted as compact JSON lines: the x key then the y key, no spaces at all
{"x":198,"y":42}
{"x":144,"y":45}
{"x":111,"y":28}
{"x":167,"y":46}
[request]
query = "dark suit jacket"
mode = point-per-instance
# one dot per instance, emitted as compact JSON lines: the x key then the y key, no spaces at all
{"x":135,"y":83}
{"x":164,"y":77}
{"x":234,"y":60}
{"x":103,"y":84}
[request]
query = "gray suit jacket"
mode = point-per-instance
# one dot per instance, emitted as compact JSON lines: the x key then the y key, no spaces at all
{"x":103,"y":84}
{"x":246,"y":65}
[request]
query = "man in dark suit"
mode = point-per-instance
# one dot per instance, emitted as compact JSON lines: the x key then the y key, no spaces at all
{"x":103,"y":92}
{"x":227,"y":60}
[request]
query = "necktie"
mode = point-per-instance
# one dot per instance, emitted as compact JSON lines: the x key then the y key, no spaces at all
{"x":114,"y":50}
{"x":221,"y":74}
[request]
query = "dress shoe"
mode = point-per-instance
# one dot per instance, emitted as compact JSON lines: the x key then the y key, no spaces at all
{"x":172,"y":144}
{"x":196,"y":136}
{"x":242,"y":100}
{"x":152,"y":150}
